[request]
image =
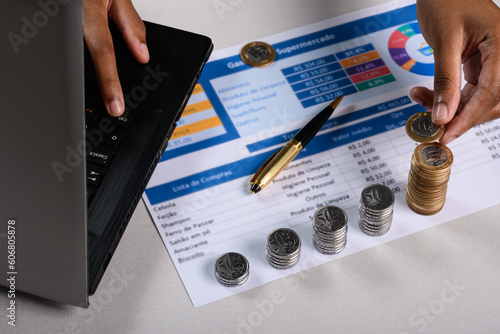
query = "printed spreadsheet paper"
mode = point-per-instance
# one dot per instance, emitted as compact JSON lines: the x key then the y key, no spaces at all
{"x":199,"y":195}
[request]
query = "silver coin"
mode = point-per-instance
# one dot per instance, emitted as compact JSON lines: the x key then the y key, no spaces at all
{"x":330,"y":237}
{"x":328,"y":247}
{"x":283,"y":248}
{"x":376,"y":210}
{"x":374,"y":231}
{"x":232,"y":269}
{"x":283,"y":242}
{"x":282,"y":265}
{"x":258,"y":53}
{"x":330,"y":230}
{"x":330,"y":218}
{"x":377,"y":197}
{"x":434,"y":156}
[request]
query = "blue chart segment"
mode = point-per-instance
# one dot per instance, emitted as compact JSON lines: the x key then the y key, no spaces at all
{"x":409,"y":50}
{"x":324,"y":79}
{"x":318,"y":81}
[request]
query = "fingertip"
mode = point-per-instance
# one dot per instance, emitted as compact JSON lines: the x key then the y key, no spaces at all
{"x":132,"y":29}
{"x":440,"y":113}
{"x":136,"y":42}
{"x":422,"y":96}
{"x":115,"y":107}
{"x":144,"y":53}
{"x":415,"y":97}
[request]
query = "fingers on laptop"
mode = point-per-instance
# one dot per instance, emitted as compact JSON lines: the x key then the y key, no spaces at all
{"x":100,"y":44}
{"x":126,"y":18}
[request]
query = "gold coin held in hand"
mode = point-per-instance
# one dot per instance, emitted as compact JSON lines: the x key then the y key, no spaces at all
{"x":419,"y":127}
{"x":258,"y":54}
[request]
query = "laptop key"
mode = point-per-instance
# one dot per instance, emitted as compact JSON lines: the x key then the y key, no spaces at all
{"x":95,"y":174}
{"x":100,"y":156}
{"x":121,"y":121}
{"x":113,"y":138}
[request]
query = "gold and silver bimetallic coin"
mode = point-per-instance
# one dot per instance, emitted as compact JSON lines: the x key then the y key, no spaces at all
{"x":258,"y":54}
{"x":419,"y":127}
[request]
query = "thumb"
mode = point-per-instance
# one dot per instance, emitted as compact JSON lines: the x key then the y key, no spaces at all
{"x":447,"y":81}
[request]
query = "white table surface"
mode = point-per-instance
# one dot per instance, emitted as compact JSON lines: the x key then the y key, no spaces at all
{"x":444,"y":279}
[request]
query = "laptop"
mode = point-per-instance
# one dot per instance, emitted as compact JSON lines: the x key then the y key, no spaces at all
{"x":71,"y":175}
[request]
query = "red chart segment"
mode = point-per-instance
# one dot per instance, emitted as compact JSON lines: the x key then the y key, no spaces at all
{"x":409,"y":50}
{"x":365,"y":67}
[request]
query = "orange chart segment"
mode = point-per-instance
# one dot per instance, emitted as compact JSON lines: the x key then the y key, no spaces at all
{"x":409,"y":64}
{"x":196,"y":127}
{"x":197,"y":89}
{"x":359,"y":59}
{"x":196,"y":107}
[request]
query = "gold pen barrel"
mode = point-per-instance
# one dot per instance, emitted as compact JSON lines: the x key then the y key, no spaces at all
{"x":276,"y":164}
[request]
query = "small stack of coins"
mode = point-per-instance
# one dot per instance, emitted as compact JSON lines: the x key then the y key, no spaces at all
{"x":428,"y":178}
{"x":330,"y":230}
{"x":375,"y":210}
{"x":283,"y":248}
{"x":232,"y":269}
{"x":430,"y":166}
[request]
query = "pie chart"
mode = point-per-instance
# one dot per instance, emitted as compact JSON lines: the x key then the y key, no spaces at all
{"x":410,"y":51}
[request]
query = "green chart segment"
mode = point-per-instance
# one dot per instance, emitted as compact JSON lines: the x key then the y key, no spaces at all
{"x":409,"y":50}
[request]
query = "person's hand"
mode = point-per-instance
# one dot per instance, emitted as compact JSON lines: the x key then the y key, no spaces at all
{"x":100,"y":44}
{"x":461,"y":32}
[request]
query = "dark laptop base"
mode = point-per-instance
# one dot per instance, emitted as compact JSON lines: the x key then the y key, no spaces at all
{"x":155,"y":96}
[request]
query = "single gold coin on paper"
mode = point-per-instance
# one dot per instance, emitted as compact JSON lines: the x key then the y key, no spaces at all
{"x":420,"y":128}
{"x":258,"y":54}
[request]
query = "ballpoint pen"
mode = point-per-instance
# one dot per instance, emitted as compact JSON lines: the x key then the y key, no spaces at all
{"x":281,"y":158}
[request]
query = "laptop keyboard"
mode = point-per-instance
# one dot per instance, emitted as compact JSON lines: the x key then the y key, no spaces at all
{"x":103,"y":134}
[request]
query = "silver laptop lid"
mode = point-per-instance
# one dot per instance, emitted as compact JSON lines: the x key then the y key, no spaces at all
{"x":42,"y":170}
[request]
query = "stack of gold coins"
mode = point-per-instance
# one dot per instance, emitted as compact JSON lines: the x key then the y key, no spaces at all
{"x":430,"y":166}
{"x":428,"y":178}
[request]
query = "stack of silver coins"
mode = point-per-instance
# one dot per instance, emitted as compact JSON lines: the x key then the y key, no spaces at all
{"x":283,"y":248}
{"x":232,"y":269}
{"x":330,"y":230}
{"x":375,"y":210}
